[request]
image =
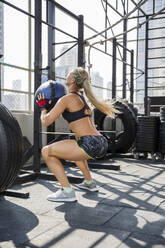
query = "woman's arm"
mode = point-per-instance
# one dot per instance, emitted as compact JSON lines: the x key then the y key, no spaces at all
{"x":47,"y":118}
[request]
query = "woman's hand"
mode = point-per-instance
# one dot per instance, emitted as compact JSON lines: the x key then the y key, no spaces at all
{"x":41,"y":102}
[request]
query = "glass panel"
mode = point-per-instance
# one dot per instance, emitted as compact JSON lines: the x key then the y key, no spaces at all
{"x":44,"y":3}
{"x":159,"y":21}
{"x":156,"y":53}
{"x":156,"y":62}
{"x":1,"y":30}
{"x":159,"y":4}
{"x":156,"y":82}
{"x":44,"y":45}
{"x":131,"y":24}
{"x":141,"y":31}
{"x":66,"y":23}
{"x":148,"y":7}
{"x":23,"y":4}
{"x":140,"y":83}
{"x":157,"y":33}
{"x":101,"y":73}
{"x":156,"y":92}
{"x":156,"y":43}
{"x":150,"y":82}
{"x":156,"y":72}
{"x":32,"y":102}
{"x":15,"y":37}
{"x":44,"y":76}
{"x":15,"y":101}
{"x":15,"y":79}
{"x":32,"y":44}
{"x":66,"y":62}
{"x":140,"y":96}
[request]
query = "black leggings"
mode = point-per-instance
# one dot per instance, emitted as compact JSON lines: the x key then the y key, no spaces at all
{"x":94,"y":146}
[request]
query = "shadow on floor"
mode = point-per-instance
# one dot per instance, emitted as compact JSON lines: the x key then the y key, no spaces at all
{"x":15,"y":222}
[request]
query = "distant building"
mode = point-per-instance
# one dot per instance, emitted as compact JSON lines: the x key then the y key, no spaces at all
{"x":109,"y":91}
{"x":97,"y":81}
{"x":61,"y":71}
{"x":69,"y":59}
{"x":1,"y":30}
{"x":1,"y":42}
{"x":157,"y":75}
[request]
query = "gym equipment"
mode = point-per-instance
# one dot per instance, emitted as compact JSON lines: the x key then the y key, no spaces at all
{"x":162,"y":131}
{"x":162,"y":114}
{"x":147,"y":134}
{"x":11,"y":148}
{"x":119,"y":142}
{"x":162,"y":138}
{"x":51,"y":91}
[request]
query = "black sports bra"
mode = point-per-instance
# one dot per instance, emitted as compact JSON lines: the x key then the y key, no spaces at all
{"x":76,"y":115}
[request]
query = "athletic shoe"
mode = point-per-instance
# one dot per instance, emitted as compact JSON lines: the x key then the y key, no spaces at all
{"x":62,"y":196}
{"x":90,"y":187}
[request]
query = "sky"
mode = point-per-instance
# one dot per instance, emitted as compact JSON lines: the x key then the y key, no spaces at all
{"x":16,"y":36}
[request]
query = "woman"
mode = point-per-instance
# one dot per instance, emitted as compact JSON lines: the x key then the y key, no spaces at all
{"x":88,"y":143}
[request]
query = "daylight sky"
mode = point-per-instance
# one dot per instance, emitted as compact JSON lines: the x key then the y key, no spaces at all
{"x":16,"y":35}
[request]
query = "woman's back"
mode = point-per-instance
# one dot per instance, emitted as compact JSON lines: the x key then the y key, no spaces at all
{"x":79,"y":115}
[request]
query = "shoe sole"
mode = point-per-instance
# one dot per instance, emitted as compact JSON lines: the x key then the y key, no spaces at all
{"x":91,"y":190}
{"x":62,"y":200}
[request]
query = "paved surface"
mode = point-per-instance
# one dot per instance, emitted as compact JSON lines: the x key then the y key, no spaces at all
{"x":128,"y":211}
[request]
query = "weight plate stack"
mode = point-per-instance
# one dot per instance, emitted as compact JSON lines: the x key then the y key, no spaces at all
{"x":162,"y":114}
{"x":147,"y":136}
{"x":162,"y":130}
{"x":11,"y":146}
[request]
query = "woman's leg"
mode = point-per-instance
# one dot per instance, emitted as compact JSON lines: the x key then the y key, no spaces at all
{"x":66,"y":149}
{"x":56,"y":168}
{"x":89,"y":183}
{"x":83,"y":166}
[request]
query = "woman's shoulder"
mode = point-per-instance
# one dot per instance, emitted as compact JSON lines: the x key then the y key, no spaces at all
{"x":67,"y":97}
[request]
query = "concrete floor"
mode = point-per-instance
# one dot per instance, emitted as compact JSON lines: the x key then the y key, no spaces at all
{"x":128,"y":211}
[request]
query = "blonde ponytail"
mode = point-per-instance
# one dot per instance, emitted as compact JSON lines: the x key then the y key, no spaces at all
{"x":83,"y":81}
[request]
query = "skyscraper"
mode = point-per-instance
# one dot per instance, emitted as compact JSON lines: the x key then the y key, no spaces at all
{"x":69,"y":59}
{"x":156,"y":52}
{"x":109,"y":91}
{"x":1,"y":45}
{"x":97,"y":80}
{"x":1,"y":29}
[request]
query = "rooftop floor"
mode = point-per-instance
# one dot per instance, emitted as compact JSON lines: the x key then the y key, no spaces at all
{"x":128,"y":211}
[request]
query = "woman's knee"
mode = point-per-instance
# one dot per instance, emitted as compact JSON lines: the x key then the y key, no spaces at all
{"x":45,"y":152}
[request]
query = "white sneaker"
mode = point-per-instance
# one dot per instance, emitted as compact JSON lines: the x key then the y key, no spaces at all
{"x":62,"y":196}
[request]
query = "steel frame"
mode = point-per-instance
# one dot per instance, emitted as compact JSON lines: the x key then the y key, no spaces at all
{"x":51,"y":5}
{"x":125,"y":17}
{"x":37,"y":80}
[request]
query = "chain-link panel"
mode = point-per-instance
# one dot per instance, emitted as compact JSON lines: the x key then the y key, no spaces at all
{"x":15,"y":101}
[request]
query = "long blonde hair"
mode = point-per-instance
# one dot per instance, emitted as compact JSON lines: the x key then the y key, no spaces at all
{"x":83,"y":82}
